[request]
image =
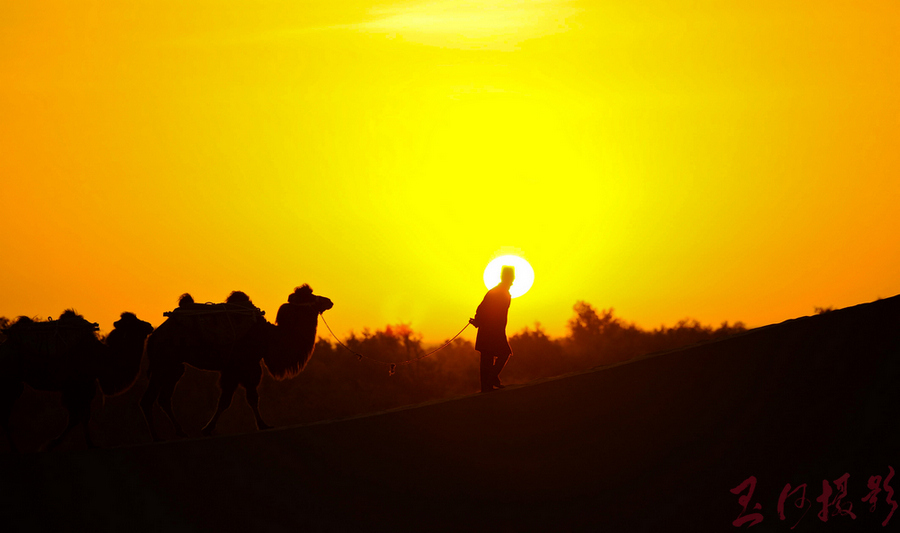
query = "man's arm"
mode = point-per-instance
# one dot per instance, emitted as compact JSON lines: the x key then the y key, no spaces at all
{"x":479,"y":313}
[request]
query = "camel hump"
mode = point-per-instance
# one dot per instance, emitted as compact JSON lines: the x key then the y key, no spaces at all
{"x":194,"y":309}
{"x":215,"y":323}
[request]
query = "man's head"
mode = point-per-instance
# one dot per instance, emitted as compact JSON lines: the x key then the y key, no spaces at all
{"x":507,"y":275}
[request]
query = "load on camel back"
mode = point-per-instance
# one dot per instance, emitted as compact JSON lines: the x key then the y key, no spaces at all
{"x":56,"y":349}
{"x":231,"y":338}
{"x":51,"y":337}
{"x":214,"y":324}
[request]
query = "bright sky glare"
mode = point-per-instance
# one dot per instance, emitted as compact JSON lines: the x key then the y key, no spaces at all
{"x":714,"y":160}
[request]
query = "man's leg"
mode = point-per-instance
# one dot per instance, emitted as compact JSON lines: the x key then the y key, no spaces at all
{"x":498,"y":367}
{"x":487,"y":372}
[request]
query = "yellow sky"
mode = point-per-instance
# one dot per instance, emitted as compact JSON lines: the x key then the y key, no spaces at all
{"x":723,"y":161}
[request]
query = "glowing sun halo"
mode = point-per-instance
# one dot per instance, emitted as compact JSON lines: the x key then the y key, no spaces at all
{"x":524,"y":274}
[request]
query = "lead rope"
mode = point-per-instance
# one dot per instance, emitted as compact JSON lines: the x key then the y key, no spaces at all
{"x":393,"y":366}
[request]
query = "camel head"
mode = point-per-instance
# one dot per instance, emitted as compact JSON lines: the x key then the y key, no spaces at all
{"x":122,"y":361}
{"x":303,"y":297}
{"x":294,"y":336}
{"x":131,"y":325}
{"x":323,"y":304}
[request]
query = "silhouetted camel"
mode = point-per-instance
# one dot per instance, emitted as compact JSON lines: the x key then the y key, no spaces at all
{"x":65,"y":355}
{"x":230,"y":338}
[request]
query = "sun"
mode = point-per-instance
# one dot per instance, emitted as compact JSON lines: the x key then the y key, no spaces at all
{"x":524,"y":274}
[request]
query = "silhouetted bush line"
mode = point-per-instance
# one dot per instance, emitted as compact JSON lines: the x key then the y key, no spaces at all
{"x":598,"y":339}
{"x":340,"y":385}
{"x":336,"y":384}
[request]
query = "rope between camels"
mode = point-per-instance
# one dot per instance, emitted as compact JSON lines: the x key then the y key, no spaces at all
{"x":393,"y":366}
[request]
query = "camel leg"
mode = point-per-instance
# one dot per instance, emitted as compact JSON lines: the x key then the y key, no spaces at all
{"x":165,"y":401}
{"x":228,"y":385}
{"x":147,"y":401}
{"x":77,"y":401}
{"x":162,"y":385}
{"x":11,"y":390}
{"x":251,"y":376}
{"x":166,"y":389}
{"x":253,"y":400}
{"x":84,"y":417}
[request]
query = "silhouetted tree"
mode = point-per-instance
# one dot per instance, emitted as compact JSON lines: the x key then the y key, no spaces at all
{"x":607,"y":337}
{"x":536,"y":354}
{"x":394,"y":343}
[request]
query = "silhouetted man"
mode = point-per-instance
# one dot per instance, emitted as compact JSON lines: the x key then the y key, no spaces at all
{"x":490,"y":319}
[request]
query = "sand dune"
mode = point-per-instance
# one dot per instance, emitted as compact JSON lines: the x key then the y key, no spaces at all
{"x":655,"y":444}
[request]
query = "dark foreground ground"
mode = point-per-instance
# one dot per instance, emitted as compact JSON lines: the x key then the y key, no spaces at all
{"x":656,"y":444}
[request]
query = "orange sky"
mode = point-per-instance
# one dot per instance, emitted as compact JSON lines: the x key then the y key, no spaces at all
{"x":723,"y":161}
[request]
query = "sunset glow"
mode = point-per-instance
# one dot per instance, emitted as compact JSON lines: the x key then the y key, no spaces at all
{"x":524,"y":274}
{"x":720,"y":161}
